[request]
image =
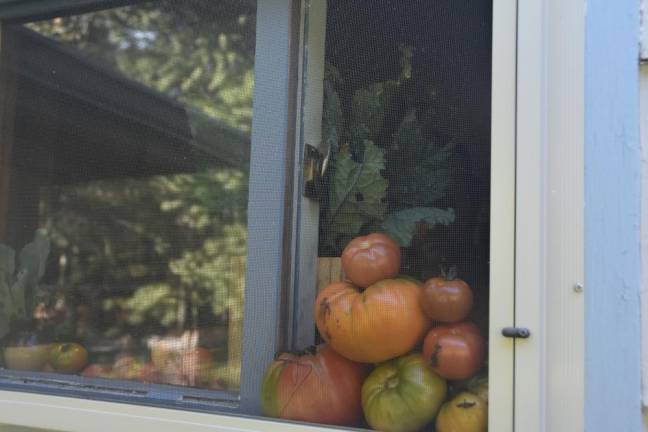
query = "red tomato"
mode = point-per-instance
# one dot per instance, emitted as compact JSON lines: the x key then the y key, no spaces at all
{"x":68,"y":357}
{"x":148,"y":373}
{"x":369,"y":259}
{"x":319,"y":386}
{"x":380,"y":323}
{"x":455,"y":351}
{"x":97,"y":371}
{"x":447,"y":300}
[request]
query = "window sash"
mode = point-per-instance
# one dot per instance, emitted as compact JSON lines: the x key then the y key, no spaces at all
{"x":275,"y":71}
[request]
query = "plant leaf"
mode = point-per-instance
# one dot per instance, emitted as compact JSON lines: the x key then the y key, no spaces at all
{"x":426,"y":166}
{"x":7,"y":267}
{"x":357,"y":192}
{"x":401,"y":225}
{"x":32,"y":263}
{"x":368,"y":110}
{"x":332,"y":119}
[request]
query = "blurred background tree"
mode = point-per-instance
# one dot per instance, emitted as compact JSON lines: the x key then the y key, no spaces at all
{"x":159,"y":254}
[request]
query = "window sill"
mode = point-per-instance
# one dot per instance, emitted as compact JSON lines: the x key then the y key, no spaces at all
{"x":78,"y":415}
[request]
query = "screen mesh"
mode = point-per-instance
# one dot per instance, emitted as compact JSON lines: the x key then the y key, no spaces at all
{"x":128,"y":132}
{"x":407,"y":98}
{"x":404,"y":223}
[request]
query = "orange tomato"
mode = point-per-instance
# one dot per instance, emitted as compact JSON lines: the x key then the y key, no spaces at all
{"x":369,"y":259}
{"x":380,"y":323}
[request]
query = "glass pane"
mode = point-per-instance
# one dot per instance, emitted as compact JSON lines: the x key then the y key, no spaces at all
{"x":126,"y":189}
{"x":403,"y":252}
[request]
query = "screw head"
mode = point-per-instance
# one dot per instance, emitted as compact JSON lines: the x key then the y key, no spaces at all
{"x":578,"y":287}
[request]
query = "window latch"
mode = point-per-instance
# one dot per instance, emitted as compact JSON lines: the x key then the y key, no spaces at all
{"x":314,"y":167}
{"x":516,"y":332}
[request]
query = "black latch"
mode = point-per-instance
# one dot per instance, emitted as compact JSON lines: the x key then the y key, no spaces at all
{"x":516,"y":332}
{"x":313,"y":172}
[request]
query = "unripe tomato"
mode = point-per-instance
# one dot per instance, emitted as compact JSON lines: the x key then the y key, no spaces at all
{"x":380,"y":323}
{"x":402,"y":395}
{"x":369,"y":259}
{"x":318,"y":386}
{"x":466,"y":412}
{"x":455,"y":351}
{"x":68,"y":357}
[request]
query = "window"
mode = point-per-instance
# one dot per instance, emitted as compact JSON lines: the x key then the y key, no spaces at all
{"x":128,"y":131}
{"x":176,"y":208}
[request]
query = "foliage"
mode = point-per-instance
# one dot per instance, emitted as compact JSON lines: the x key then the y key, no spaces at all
{"x":18,"y":285}
{"x":401,"y":225}
{"x":358,"y":191}
{"x":381,"y":180}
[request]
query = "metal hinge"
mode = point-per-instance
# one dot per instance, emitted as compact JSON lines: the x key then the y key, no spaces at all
{"x":516,"y":332}
{"x":314,"y":166}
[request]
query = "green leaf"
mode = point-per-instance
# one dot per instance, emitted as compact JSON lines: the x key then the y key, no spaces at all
{"x":32,"y":263}
{"x":332,"y":119}
{"x":401,"y":225}
{"x":18,"y":293}
{"x":7,"y":260}
{"x":357,"y":192}
{"x":426,"y":166}
{"x":368,"y":110}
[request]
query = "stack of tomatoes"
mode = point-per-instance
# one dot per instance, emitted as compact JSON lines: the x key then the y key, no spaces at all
{"x":384,"y":361}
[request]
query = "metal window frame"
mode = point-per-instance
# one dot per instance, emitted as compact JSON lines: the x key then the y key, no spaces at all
{"x":269,"y":210}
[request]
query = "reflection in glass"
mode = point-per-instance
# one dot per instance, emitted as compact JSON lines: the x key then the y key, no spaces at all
{"x":129,"y":136}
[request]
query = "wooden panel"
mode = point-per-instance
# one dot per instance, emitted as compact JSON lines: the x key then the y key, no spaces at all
{"x":329,"y":270}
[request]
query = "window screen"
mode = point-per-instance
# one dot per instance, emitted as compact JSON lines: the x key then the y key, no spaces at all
{"x":123,"y":219}
{"x":403,"y":222}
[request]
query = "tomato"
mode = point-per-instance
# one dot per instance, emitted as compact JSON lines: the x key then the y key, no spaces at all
{"x":30,"y":358}
{"x":369,"y":259}
{"x":148,"y":373}
{"x":68,"y":357}
{"x":455,"y":351}
{"x":97,"y":371}
{"x":402,"y":395}
{"x":318,"y":386}
{"x":196,"y":365}
{"x":380,"y":323}
{"x":447,"y":299}
{"x":126,"y":368}
{"x":464,"y":413}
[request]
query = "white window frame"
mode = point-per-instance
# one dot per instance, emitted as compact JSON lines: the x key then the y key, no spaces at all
{"x":538,"y":103}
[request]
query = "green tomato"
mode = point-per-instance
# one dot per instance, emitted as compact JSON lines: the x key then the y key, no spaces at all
{"x":68,"y":357}
{"x":402,"y":395}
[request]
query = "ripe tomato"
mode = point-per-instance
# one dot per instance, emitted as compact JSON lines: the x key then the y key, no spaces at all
{"x":97,"y":371}
{"x":402,"y":395}
{"x":196,"y":365}
{"x":319,"y":386}
{"x":455,"y":351}
{"x":68,"y":357}
{"x":369,"y":259}
{"x":126,"y":368}
{"x":148,"y":373}
{"x":447,"y":300}
{"x":464,"y":413}
{"x":380,"y":323}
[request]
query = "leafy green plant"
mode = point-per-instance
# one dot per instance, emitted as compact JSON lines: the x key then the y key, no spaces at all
{"x":19,"y":283}
{"x":380,"y":181}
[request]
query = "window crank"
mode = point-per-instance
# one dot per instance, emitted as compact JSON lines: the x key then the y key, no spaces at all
{"x":516,"y":332}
